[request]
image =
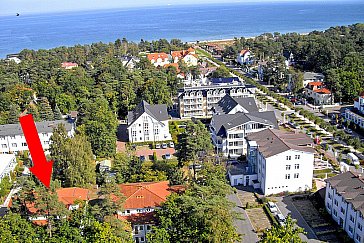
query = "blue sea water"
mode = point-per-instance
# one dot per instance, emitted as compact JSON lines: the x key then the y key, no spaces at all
{"x":189,"y":23}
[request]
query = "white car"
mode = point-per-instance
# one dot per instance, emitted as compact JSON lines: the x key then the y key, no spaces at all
{"x":272,"y":207}
{"x":157,"y":146}
{"x":164,"y":145}
{"x":281,"y":219}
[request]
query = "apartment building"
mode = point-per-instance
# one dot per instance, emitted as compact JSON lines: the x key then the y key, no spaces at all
{"x":319,"y":93}
{"x":228,"y":131}
{"x":148,"y":123}
{"x":279,"y":161}
{"x":198,"y":99}
{"x":141,"y":200}
{"x":356,"y":115}
{"x":344,"y":201}
{"x":12,"y":139}
{"x":7,"y":165}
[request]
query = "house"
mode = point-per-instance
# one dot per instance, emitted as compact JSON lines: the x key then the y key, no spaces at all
{"x":228,"y":131}
{"x":244,"y":57}
{"x":158,"y":59}
{"x":142,"y":199}
{"x":232,"y":105}
{"x":12,"y":139}
{"x":344,"y":201}
{"x":279,"y":161}
{"x":187,"y":56}
{"x":148,"y":123}
{"x":176,"y":66}
{"x":13,"y":57}
{"x":309,"y":77}
{"x":356,"y":115}
{"x":198,"y":98}
{"x":69,"y":65}
{"x":70,"y":197}
{"x":318,"y":93}
{"x":129,"y":62}
{"x":7,"y":165}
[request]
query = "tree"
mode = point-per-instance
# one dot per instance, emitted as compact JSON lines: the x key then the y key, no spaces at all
{"x":102,"y":233}
{"x":283,"y":234}
{"x":45,"y":110}
{"x":195,"y":139}
{"x":221,"y":72}
{"x":57,"y":113}
{"x":13,"y":228}
{"x":13,"y":117}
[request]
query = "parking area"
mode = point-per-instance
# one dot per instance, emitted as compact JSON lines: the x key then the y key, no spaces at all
{"x":147,"y":152}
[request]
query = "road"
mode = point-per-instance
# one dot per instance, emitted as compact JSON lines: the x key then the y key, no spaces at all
{"x":244,"y":227}
{"x":286,"y":207}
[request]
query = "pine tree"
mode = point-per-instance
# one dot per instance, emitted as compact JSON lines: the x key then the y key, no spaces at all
{"x":13,"y":116}
{"x":45,"y":110}
{"x":33,"y":109}
{"x":57,"y":113}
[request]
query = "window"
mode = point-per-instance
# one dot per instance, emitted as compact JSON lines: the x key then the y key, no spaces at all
{"x":24,"y":144}
{"x":342,"y":210}
{"x":12,"y":137}
{"x":297,"y":166}
{"x":335,"y":213}
{"x":336,"y":203}
{"x":296,"y":175}
{"x":288,"y":157}
{"x":360,"y":227}
{"x":351,"y":218}
{"x":46,"y":142}
{"x":358,"y":238}
{"x":156,"y":131}
{"x":14,"y":145}
{"x":329,"y":196}
{"x":2,"y":138}
{"x":288,"y":176}
{"x":4,"y":146}
{"x":350,"y":229}
{"x":328,"y":206}
{"x":297,"y":156}
{"x":141,"y":239}
{"x":148,"y":227}
{"x":127,"y":211}
{"x":288,"y":167}
{"x":141,"y":227}
{"x":134,"y":133}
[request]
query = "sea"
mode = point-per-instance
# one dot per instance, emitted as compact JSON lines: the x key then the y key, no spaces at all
{"x":185,"y":22}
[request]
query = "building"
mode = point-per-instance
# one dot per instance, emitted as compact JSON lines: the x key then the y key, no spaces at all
{"x":158,"y":59}
{"x":228,"y":131}
{"x":69,"y":65}
{"x":309,"y":77}
{"x":148,"y":123}
{"x":344,"y":201}
{"x":12,"y":139}
{"x":198,"y":99}
{"x":356,"y":115}
{"x":232,"y":105}
{"x":244,"y":57}
{"x":279,"y":161}
{"x":141,"y":200}
{"x":187,"y":56}
{"x":7,"y":165}
{"x":318,"y":93}
{"x":129,"y":62}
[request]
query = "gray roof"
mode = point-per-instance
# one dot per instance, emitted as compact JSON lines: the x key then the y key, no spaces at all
{"x":272,"y":142}
{"x":42,"y":127}
{"x":350,"y":185}
{"x":226,"y":121}
{"x":227,"y":103}
{"x":239,"y":169}
{"x":311,"y":75}
{"x":158,"y":112}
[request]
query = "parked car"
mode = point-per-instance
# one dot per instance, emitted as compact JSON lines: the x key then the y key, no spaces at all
{"x":272,"y":207}
{"x":167,"y":156}
{"x":281,"y":219}
{"x":182,"y":126}
{"x":142,"y":158}
{"x":157,"y":146}
{"x":164,"y":145}
{"x":348,"y":131}
{"x":171,"y":144}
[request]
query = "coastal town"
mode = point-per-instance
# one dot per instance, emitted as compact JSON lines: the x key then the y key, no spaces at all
{"x":243,"y":140}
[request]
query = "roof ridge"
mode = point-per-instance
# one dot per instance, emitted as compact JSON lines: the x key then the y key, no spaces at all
{"x":280,"y":139}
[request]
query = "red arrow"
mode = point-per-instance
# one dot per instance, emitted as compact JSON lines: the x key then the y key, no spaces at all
{"x":41,"y":169}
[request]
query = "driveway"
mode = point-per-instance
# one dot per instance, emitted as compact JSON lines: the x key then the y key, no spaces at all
{"x":286,"y":206}
{"x":243,"y":226}
{"x":148,"y":153}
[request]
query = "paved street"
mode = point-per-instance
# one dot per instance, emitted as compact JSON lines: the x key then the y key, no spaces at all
{"x":286,"y":206}
{"x":244,"y":227}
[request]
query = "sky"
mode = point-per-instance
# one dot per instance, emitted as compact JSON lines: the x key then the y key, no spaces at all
{"x":9,"y":7}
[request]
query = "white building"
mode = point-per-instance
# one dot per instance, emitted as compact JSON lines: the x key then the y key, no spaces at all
{"x":187,"y":56}
{"x":344,"y":201}
{"x":7,"y":165}
{"x":279,"y":161}
{"x":244,"y":57}
{"x":199,"y":98}
{"x":159,"y":59}
{"x":12,"y":139}
{"x":228,"y":131}
{"x":141,"y":200}
{"x":357,"y":114}
{"x":148,"y":123}
{"x":309,"y":77}
{"x":318,"y":93}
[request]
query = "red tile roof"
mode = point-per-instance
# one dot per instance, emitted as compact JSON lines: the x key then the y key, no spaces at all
{"x":317,"y":83}
{"x":145,"y":194}
{"x":183,"y":53}
{"x":40,"y":222}
{"x":243,"y":52}
{"x":172,"y":65}
{"x":322,"y":91}
{"x":69,"y":64}
{"x":69,"y":195}
{"x":145,"y":218}
{"x":155,"y":56}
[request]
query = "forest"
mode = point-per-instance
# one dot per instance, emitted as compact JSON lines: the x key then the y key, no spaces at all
{"x":337,"y":52}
